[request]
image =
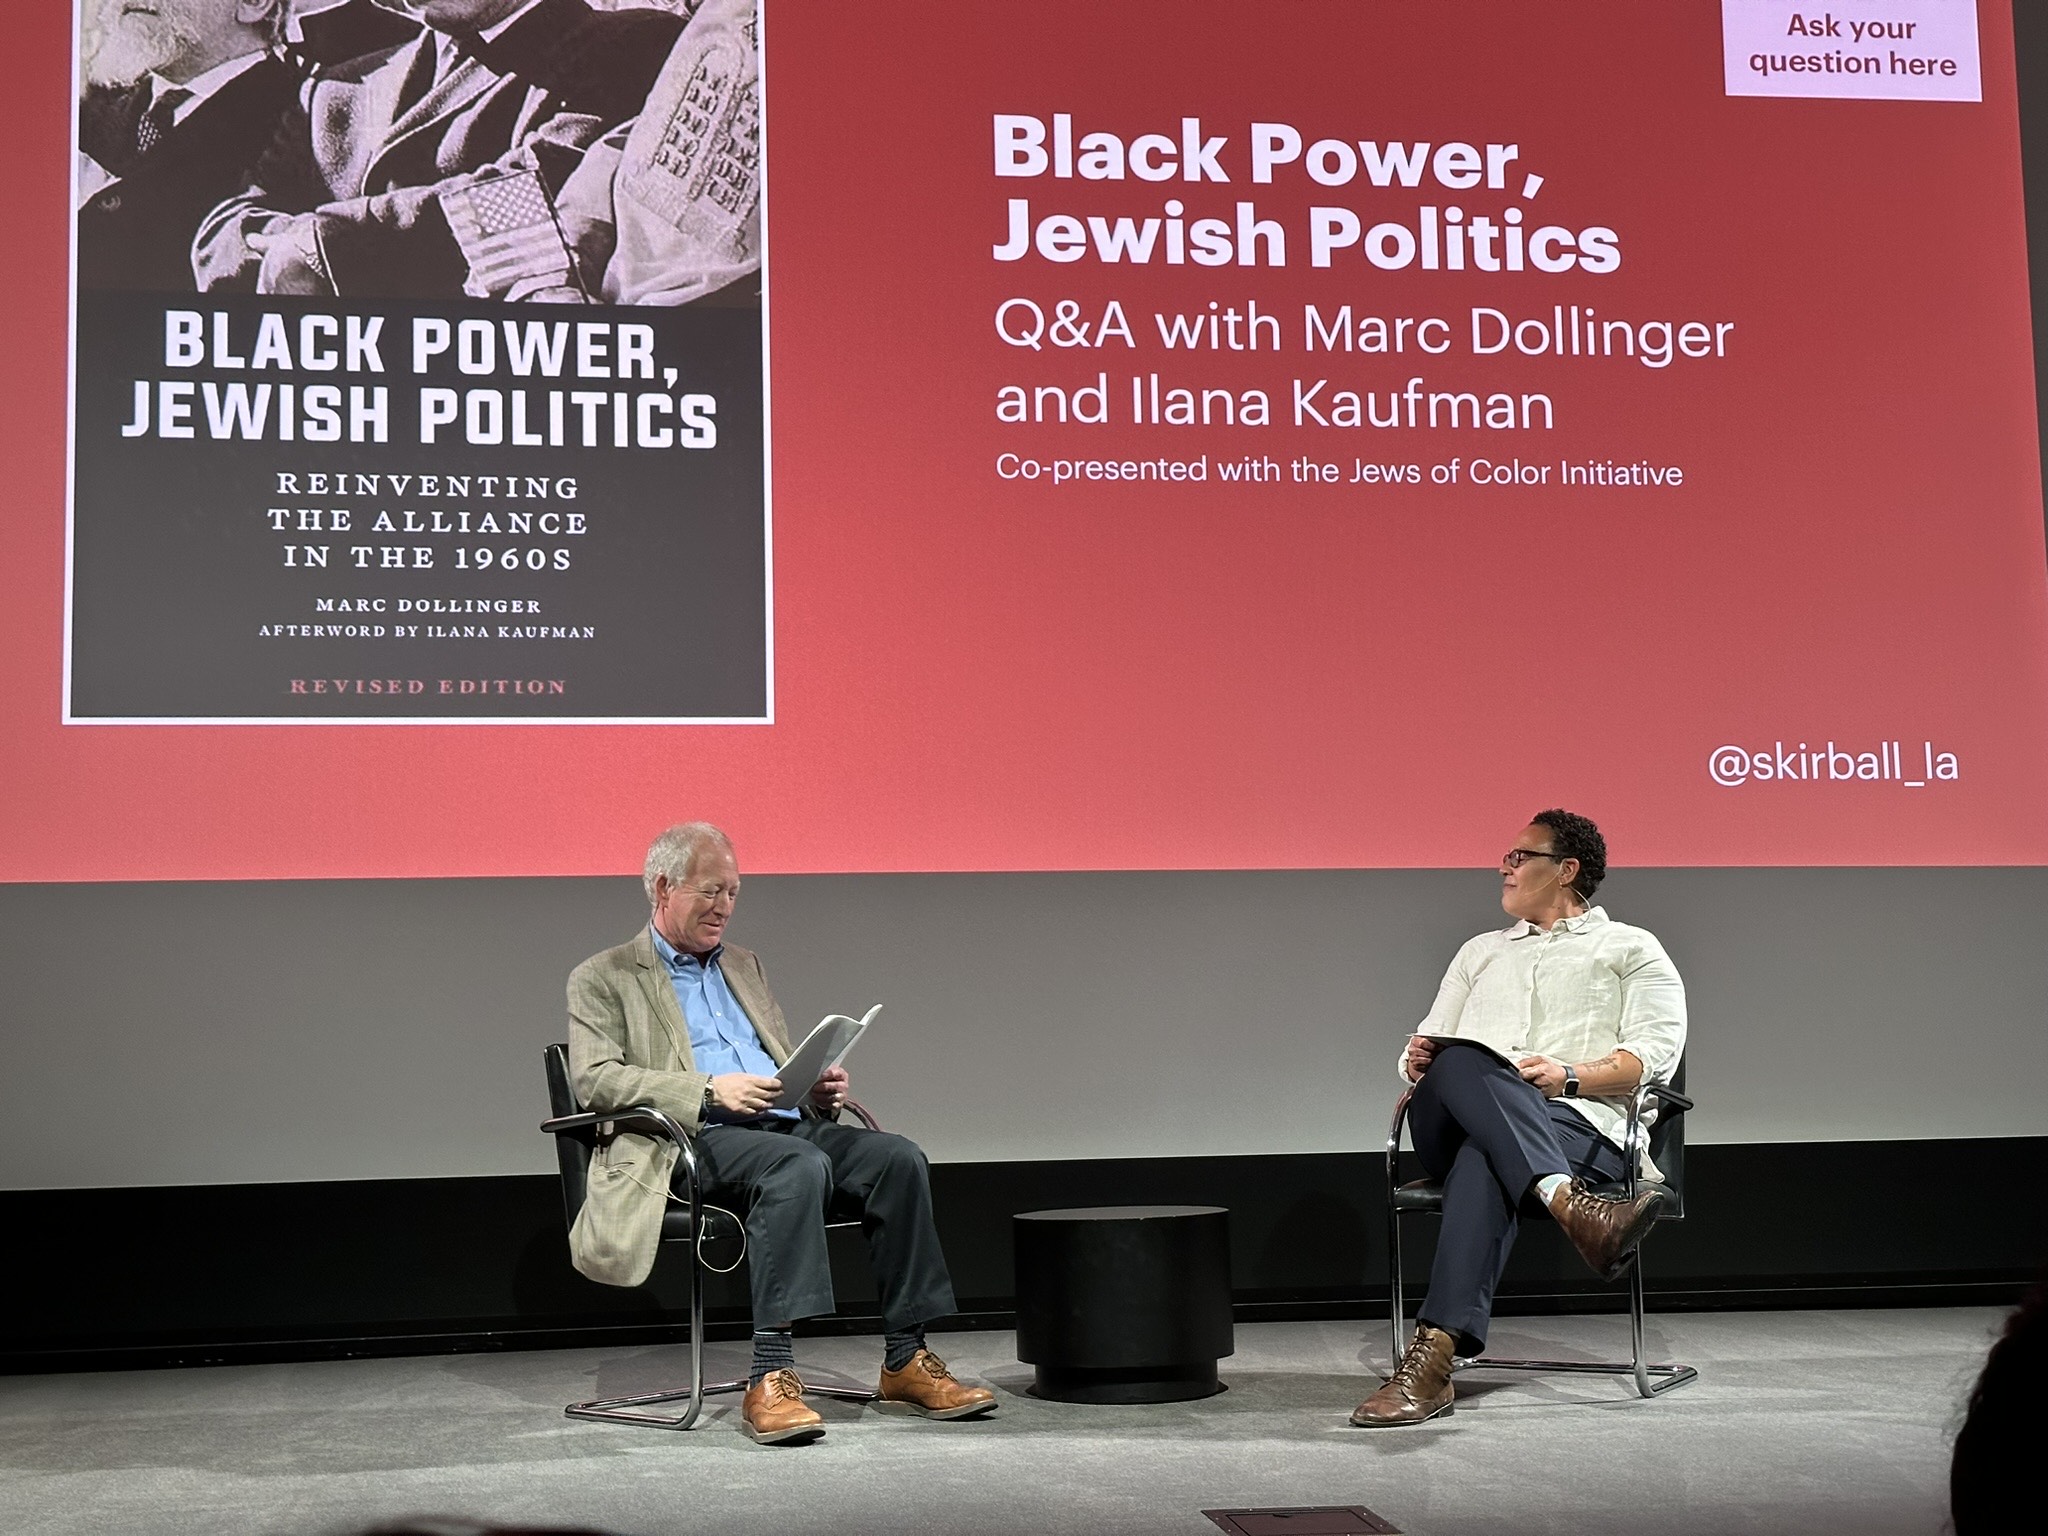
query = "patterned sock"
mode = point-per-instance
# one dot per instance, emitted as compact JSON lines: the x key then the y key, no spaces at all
{"x":900,"y":1347}
{"x":774,"y":1350}
{"x":1548,"y":1186}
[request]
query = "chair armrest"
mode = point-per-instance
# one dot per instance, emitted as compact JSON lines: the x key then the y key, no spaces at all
{"x":1635,"y":1139}
{"x":859,"y":1110}
{"x":645,"y":1114}
{"x":1670,"y":1098}
{"x":1394,"y":1140}
{"x":1400,"y":1119}
{"x":657,"y":1121}
{"x":860,"y":1113}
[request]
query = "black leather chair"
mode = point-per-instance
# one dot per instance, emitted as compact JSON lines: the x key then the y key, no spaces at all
{"x":1667,"y":1150}
{"x":689,"y":1222}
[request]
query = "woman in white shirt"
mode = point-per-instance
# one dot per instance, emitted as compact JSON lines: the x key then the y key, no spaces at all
{"x":1522,"y":1072}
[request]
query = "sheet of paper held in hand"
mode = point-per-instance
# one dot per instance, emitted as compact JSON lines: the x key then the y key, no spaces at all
{"x":1509,"y":1051}
{"x":822,"y":1049}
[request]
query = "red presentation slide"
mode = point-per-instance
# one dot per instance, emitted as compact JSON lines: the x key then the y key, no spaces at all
{"x":1065,"y":437}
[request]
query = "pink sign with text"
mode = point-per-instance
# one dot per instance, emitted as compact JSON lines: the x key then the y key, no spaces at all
{"x":1871,"y":50}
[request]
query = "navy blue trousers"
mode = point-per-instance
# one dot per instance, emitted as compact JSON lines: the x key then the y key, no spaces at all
{"x":1487,"y":1136}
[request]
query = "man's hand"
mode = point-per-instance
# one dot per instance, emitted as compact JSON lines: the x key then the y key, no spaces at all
{"x":290,"y":254}
{"x":1421,"y":1049}
{"x":830,"y":1090}
{"x":1546,"y":1072}
{"x":743,"y":1093}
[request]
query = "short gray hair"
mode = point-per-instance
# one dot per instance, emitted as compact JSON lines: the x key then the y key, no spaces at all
{"x":670,"y":855}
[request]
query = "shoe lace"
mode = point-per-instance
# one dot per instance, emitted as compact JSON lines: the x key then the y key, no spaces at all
{"x":1582,"y":1201}
{"x":782,"y":1383}
{"x":934,"y":1367}
{"x":1412,"y":1363}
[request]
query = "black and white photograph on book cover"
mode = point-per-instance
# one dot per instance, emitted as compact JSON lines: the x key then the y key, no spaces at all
{"x":418,"y":361}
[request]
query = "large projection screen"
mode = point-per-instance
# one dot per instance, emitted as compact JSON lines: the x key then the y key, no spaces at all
{"x":1170,"y":454}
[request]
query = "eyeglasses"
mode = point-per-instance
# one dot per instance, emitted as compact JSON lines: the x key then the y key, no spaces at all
{"x":1515,"y":858}
{"x":713,"y":893}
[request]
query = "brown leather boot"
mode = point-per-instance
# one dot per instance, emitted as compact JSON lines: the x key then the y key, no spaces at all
{"x":1420,"y":1387}
{"x":1604,"y":1229}
{"x":925,"y":1386}
{"x":774,"y":1411}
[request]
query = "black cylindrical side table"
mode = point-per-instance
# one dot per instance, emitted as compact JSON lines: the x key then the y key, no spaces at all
{"x":1124,"y":1303}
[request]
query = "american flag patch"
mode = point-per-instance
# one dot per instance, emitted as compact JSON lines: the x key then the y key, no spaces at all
{"x":506,"y":227}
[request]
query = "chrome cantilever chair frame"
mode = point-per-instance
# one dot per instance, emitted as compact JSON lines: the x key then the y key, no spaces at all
{"x":1424,"y":1195}
{"x":631,"y":1410}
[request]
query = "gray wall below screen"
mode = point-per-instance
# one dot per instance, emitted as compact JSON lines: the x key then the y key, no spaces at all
{"x":255,"y":1032}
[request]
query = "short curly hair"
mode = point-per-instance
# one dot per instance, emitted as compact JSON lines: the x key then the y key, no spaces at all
{"x":1575,"y":837}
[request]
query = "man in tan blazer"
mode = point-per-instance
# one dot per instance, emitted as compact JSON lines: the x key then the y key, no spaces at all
{"x":680,"y":1020}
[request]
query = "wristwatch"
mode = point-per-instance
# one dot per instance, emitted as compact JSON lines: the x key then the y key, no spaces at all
{"x":1571,"y":1082}
{"x":710,"y":1100}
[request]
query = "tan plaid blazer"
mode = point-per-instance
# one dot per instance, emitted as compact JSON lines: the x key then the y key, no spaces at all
{"x":629,"y":1045}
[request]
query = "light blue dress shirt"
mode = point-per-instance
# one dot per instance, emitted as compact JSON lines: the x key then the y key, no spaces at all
{"x":722,"y":1037}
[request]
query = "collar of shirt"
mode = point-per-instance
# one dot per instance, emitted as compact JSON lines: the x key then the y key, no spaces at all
{"x":199,"y":87}
{"x":1592,"y":917}
{"x":676,"y":960}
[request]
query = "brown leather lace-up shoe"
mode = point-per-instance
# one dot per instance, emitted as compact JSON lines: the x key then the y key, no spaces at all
{"x":1420,"y":1387}
{"x":925,"y":1386}
{"x":774,"y":1412}
{"x":1605,"y":1230}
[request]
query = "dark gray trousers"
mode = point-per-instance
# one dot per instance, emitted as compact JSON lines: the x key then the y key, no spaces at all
{"x":1487,"y":1136}
{"x":786,"y":1178}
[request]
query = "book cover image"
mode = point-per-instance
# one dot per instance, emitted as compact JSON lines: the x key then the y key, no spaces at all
{"x":417,"y":364}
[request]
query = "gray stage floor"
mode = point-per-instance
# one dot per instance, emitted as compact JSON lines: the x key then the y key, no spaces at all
{"x":1808,"y":1422}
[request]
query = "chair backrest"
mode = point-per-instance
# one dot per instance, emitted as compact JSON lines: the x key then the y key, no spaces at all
{"x":572,"y":1148}
{"x":1667,"y":1149}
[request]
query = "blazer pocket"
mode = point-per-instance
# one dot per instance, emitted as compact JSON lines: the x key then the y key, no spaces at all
{"x":617,"y":1233}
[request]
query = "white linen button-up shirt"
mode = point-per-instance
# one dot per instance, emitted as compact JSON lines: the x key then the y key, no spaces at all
{"x":1576,"y":991}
